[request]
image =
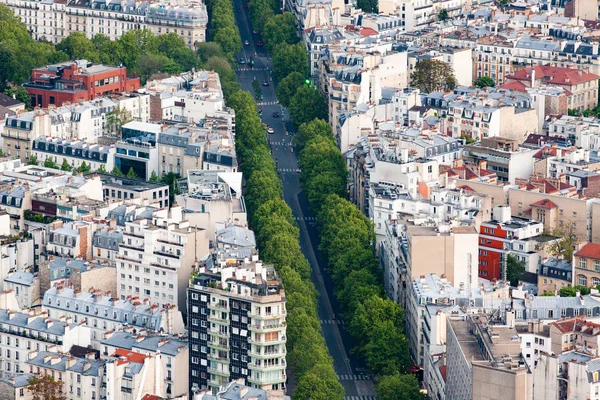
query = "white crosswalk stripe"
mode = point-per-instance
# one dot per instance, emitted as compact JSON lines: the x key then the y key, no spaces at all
{"x":287,"y":144}
{"x":310,"y":219}
{"x":359,"y":377}
{"x":251,"y":69}
{"x":331,"y":321}
{"x":361,"y":397}
{"x":267,"y":103}
{"x":293,"y":170}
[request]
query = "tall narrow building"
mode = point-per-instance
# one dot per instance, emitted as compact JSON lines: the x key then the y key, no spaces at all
{"x":237,"y":326}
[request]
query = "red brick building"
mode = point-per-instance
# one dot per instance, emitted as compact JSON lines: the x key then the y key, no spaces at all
{"x":508,"y":235}
{"x":76,"y":80}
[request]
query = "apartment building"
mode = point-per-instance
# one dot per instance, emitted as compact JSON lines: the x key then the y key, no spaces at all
{"x":78,"y":274}
{"x":120,"y":188}
{"x":25,"y":332}
{"x":21,"y":130}
{"x":466,"y":118}
{"x":72,"y":239}
{"x":105,"y":245}
{"x":493,"y":57}
{"x":586,"y":263}
{"x":535,"y":341}
{"x":503,"y":156}
{"x":236,"y":321}
{"x":554,"y":275}
{"x":26,"y":287}
{"x":211,"y":197}
{"x":172,"y":351}
{"x":75,"y":153}
{"x":56,"y":20}
{"x":582,"y":85}
{"x":484,"y":361}
{"x":102,"y":312}
{"x":15,"y":387}
{"x":82,"y":378}
{"x":237,"y":390}
{"x":73,"y":81}
{"x":505,"y":235}
{"x":157,"y":257}
{"x":412,"y":249}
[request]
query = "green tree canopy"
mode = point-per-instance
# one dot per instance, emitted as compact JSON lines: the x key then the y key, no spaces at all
{"x":280,"y":29}
{"x":288,"y":58}
{"x":131,"y":173}
{"x":432,"y":75}
{"x":65,"y":166}
{"x":398,"y":387}
{"x":484,"y":81}
{"x":49,"y":163}
{"x":443,"y":15}
{"x":288,"y":87}
{"x":19,"y":93}
{"x":260,"y":12}
{"x":514,"y":269}
{"x":207,"y":50}
{"x":369,"y":6}
{"x":307,"y":104}
{"x":32,"y":160}
{"x":78,"y":47}
{"x":153,"y":177}
{"x":45,"y":387}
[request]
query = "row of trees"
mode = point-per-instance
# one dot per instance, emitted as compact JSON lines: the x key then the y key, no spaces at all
{"x":346,"y":244}
{"x":223,"y":28}
{"x":272,"y":220}
{"x":278,"y":240}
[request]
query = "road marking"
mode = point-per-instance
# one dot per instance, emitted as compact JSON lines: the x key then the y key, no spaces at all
{"x":314,"y":219}
{"x":251,"y":69}
{"x":359,"y":377}
{"x":267,"y":103}
{"x":361,"y":397}
{"x":293,"y":170}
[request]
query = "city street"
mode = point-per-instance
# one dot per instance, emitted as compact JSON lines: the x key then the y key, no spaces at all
{"x":357,"y":385}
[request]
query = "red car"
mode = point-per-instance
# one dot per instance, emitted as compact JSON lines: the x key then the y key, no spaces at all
{"x":259,"y":43}
{"x":275,"y":115}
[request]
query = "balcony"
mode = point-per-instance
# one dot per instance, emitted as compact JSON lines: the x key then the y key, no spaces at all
{"x":264,"y":342}
{"x":219,"y":372}
{"x":255,"y":328}
{"x":266,"y":381}
{"x":218,"y":345}
{"x":218,"y":320}
{"x":219,"y":306}
{"x":216,"y":358}
{"x":219,"y":333}
{"x":269,"y":367}
{"x":255,"y":354}
{"x":126,"y":389}
{"x":267,"y":316}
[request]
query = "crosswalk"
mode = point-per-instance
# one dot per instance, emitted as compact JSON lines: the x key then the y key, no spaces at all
{"x":286,"y":144}
{"x":294,"y":170}
{"x":359,"y":377}
{"x":361,"y":397}
{"x":309,"y":219}
{"x":251,"y":69}
{"x":330,"y":321}
{"x":267,"y":103}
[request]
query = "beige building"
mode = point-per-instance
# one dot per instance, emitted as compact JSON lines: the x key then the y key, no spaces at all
{"x":55,"y":20}
{"x":157,"y":257}
{"x":20,"y":131}
{"x":586,"y":264}
{"x":484,"y":361}
{"x":557,"y":213}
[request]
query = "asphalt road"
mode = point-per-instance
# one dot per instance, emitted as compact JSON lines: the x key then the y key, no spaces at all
{"x":350,"y":370}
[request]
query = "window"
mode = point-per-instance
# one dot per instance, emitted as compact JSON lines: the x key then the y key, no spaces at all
{"x":583,"y":263}
{"x":582,"y":280}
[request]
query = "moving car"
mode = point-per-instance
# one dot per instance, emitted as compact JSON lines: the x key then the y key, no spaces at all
{"x":242,"y":60}
{"x":275,"y":114}
{"x":266,"y":83}
{"x":270,"y":130}
{"x":246,"y":43}
{"x":259,"y":43}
